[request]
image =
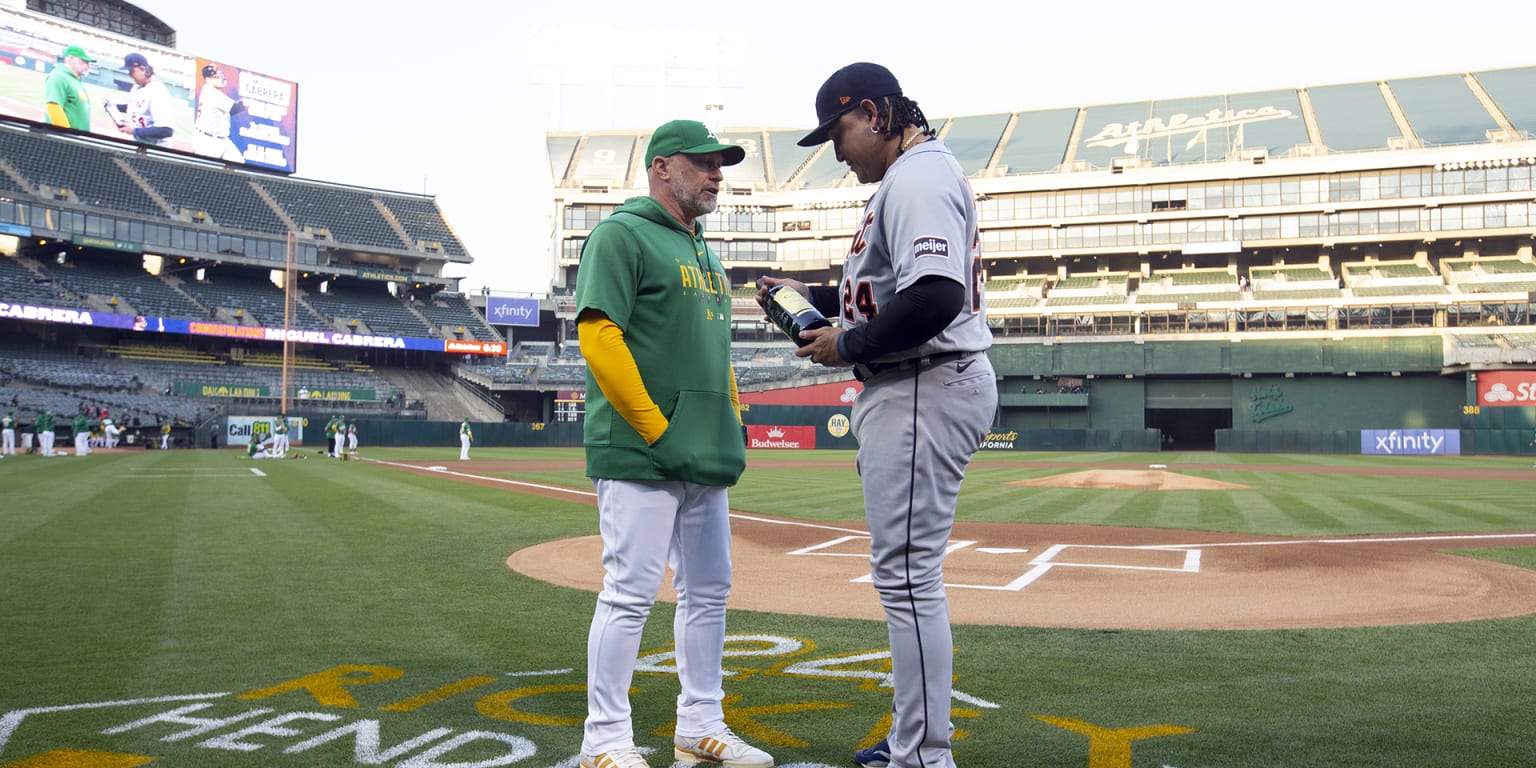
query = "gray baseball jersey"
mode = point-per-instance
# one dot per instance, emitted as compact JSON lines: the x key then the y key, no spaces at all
{"x":918,"y":426}
{"x":920,"y":222}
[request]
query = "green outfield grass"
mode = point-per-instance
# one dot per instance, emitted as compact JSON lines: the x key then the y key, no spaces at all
{"x":356,"y":614}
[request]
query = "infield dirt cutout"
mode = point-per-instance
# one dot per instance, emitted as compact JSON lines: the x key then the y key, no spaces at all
{"x":1093,"y":577}
{"x":1131,"y":480}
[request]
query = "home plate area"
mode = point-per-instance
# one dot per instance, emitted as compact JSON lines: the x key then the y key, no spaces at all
{"x":1097,"y":577}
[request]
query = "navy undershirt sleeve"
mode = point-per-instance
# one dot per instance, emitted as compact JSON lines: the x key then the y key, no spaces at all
{"x":916,"y":315}
{"x":824,"y":299}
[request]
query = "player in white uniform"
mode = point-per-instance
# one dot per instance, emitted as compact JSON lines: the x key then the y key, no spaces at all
{"x":466,"y":436}
{"x":339,"y":440}
{"x":913,"y":325}
{"x":8,"y":430}
{"x":214,"y":108}
{"x":109,"y":432}
{"x":280,"y":436}
{"x":149,"y":104}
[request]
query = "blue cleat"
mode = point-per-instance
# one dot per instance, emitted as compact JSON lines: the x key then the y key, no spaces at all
{"x":878,"y":756}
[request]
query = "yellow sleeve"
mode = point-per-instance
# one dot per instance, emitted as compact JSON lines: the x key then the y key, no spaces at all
{"x":614,"y":369}
{"x":736,"y":398}
{"x":56,"y":114}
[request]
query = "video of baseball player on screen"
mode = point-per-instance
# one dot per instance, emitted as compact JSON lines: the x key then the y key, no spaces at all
{"x":135,"y":92}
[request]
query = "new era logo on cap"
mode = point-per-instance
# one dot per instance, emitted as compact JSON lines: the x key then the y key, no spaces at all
{"x":844,"y":90}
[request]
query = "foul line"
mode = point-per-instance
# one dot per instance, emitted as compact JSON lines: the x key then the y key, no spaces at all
{"x":593,"y":494}
{"x":503,"y":480}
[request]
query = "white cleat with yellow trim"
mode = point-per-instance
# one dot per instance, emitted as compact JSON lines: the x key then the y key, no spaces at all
{"x":618,"y":758}
{"x":722,"y":748}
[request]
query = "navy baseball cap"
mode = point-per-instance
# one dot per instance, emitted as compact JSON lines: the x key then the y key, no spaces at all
{"x":135,"y":59}
{"x":690,"y":137}
{"x":844,"y":90}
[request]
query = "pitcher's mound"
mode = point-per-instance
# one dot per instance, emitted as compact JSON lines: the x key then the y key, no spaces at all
{"x":1131,"y":480}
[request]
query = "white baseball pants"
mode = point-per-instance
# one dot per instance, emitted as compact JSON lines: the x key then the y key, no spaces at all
{"x":647,"y":526}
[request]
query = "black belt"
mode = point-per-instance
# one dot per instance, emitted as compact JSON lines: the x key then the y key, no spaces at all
{"x":866,"y":371}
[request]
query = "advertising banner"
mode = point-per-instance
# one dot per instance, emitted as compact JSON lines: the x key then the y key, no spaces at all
{"x":774,"y":436}
{"x":240,"y":429}
{"x":465,"y":347}
{"x":70,"y":77}
{"x":245,"y":117}
{"x":841,"y":393}
{"x":305,"y":393}
{"x":512,"y":311}
{"x":202,"y":389}
{"x":153,"y":324}
{"x":1506,"y":388}
{"x":1410,"y":442}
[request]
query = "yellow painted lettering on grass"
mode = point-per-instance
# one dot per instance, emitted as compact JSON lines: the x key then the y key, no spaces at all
{"x":329,"y":687}
{"x":744,"y":721}
{"x":438,"y":694}
{"x":80,"y":758}
{"x":499,"y":705}
{"x":883,"y":727}
{"x":1111,"y":747}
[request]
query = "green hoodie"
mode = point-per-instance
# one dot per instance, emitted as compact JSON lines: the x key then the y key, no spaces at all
{"x":661,"y":284}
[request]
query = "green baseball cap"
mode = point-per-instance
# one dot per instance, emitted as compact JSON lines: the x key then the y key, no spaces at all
{"x":79,"y":53}
{"x":690,"y":137}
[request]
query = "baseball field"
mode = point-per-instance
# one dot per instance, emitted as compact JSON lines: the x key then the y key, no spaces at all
{"x":196,"y":608}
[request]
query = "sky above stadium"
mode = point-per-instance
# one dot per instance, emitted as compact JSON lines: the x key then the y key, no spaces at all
{"x":453,"y":97}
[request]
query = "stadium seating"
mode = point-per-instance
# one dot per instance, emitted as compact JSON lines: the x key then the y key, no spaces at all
{"x":86,"y":172}
{"x":422,"y":221}
{"x":348,"y":215}
{"x":120,"y":282}
{"x":451,"y":311}
{"x":225,"y":195}
{"x":20,"y":284}
{"x":253,"y":297}
{"x":381,"y":313}
{"x":1504,"y":274}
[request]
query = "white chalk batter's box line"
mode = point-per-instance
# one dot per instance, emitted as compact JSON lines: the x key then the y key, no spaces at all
{"x":1047,"y":560}
{"x":1039,"y":565}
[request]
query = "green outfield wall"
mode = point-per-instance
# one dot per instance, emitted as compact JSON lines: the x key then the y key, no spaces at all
{"x":1256,"y":395}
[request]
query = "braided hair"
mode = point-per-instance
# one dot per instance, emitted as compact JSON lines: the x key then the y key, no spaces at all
{"x":897,"y":113}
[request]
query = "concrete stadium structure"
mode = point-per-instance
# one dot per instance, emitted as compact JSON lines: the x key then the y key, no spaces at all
{"x":1276,"y":270}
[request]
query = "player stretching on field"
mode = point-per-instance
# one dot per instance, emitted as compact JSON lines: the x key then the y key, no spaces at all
{"x":914,"y":329}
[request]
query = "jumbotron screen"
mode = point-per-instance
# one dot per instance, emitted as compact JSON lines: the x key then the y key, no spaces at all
{"x":77,"y":78}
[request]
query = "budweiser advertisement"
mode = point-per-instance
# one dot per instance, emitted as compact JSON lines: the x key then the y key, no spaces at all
{"x":774,"y":436}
